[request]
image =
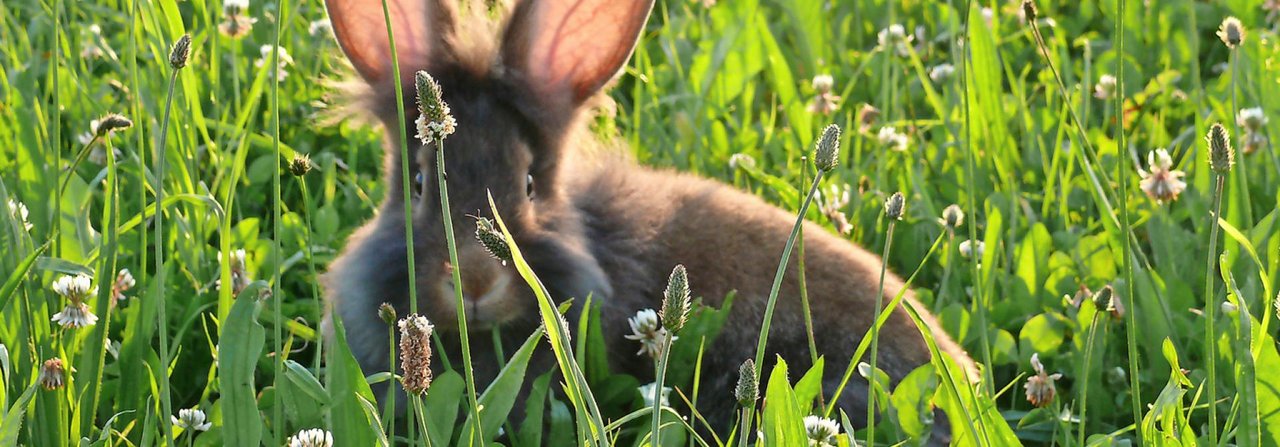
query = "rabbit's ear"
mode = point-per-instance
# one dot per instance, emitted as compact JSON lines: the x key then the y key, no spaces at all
{"x":419,"y":27}
{"x":566,"y":50}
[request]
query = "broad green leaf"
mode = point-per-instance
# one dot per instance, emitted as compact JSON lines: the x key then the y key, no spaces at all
{"x":346,"y":385}
{"x":782,"y":419}
{"x":498,"y":399}
{"x":239,"y":347}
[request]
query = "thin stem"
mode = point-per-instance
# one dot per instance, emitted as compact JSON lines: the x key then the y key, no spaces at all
{"x":1243,"y":181}
{"x":744,"y":426}
{"x":970,"y":187}
{"x":457,"y":290}
{"x":660,"y":373}
{"x":1131,"y":322}
{"x":782,"y":268}
{"x":1085,"y":370}
{"x":804,"y":290}
{"x":166,"y":404}
{"x":875,"y":338}
{"x":1211,"y":338}
{"x":311,"y":268}
{"x":407,"y":199}
{"x":277,"y":297}
{"x":390,"y":410}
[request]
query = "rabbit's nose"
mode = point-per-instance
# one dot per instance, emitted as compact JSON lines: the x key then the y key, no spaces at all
{"x":480,"y":275}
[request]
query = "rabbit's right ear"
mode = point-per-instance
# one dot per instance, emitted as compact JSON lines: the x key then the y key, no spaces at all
{"x":420,"y":27}
{"x":567,"y":50}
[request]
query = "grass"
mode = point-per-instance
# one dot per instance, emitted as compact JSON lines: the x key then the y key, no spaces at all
{"x":1045,"y":170}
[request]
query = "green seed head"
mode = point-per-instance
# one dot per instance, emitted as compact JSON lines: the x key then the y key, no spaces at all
{"x":894,"y":206}
{"x":300,"y":165}
{"x":387,"y":313}
{"x":827,"y":151}
{"x":1221,"y":155}
{"x":492,"y":240}
{"x":748,"y":389}
{"x":1029,"y":10}
{"x":1231,"y":32}
{"x":435,"y":122}
{"x":181,"y":51}
{"x":111,"y":123}
{"x":675,"y":301}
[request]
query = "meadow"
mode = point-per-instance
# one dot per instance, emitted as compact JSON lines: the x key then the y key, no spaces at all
{"x":1114,"y":269}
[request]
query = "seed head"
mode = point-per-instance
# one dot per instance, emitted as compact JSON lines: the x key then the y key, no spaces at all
{"x":181,"y":51}
{"x":1109,"y":300}
{"x":1221,"y":155}
{"x":51,"y":375}
{"x":675,"y":300}
{"x":435,"y":122}
{"x":1231,"y":31}
{"x":415,"y":353}
{"x":110,"y":123}
{"x":387,"y":313}
{"x":894,"y":206}
{"x":952,"y":217}
{"x":300,"y":165}
{"x":492,"y":240}
{"x":748,"y":389}
{"x":827,"y":150}
{"x":1029,"y":10}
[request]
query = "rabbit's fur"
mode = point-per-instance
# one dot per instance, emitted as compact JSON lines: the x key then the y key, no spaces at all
{"x":591,"y":222}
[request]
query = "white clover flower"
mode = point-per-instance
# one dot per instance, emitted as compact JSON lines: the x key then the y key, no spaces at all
{"x":285,"y":60}
{"x":74,"y":288}
{"x":1162,"y":182}
{"x":191,"y":419}
{"x":821,"y":431}
{"x":75,"y":316}
{"x":647,"y":392}
{"x":942,"y":72}
{"x":234,"y":6}
{"x":647,"y":329}
{"x":124,"y":282}
{"x":889,"y":136}
{"x":967,"y":248}
{"x":1040,"y":387}
{"x":319,"y":27}
{"x":240,"y":278}
{"x":1251,"y":119}
{"x":824,"y":102}
{"x":741,"y":161}
{"x":314,"y":437}
{"x":834,"y":199}
{"x":895,"y":38}
{"x":1105,"y":88}
{"x":19,"y":212}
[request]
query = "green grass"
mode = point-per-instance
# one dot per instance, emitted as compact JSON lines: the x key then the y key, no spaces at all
{"x":1045,"y":171}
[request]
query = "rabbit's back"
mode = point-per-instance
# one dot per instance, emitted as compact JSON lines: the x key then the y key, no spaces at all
{"x":643,"y":221}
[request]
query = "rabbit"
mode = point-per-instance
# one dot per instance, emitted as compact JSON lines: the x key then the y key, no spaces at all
{"x":590,"y":221}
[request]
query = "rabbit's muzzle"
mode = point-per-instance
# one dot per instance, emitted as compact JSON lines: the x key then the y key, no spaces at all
{"x":488,"y":289}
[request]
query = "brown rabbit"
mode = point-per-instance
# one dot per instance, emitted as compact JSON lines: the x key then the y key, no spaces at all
{"x":588,"y":221}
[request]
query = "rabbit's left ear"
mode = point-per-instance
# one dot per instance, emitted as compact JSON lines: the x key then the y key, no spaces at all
{"x":567,"y":50}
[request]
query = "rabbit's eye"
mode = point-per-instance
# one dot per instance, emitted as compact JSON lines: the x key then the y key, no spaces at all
{"x":419,"y":183}
{"x":528,"y":185}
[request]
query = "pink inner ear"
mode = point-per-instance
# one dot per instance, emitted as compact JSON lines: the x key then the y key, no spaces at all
{"x":362,"y":33}
{"x":578,"y":46}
